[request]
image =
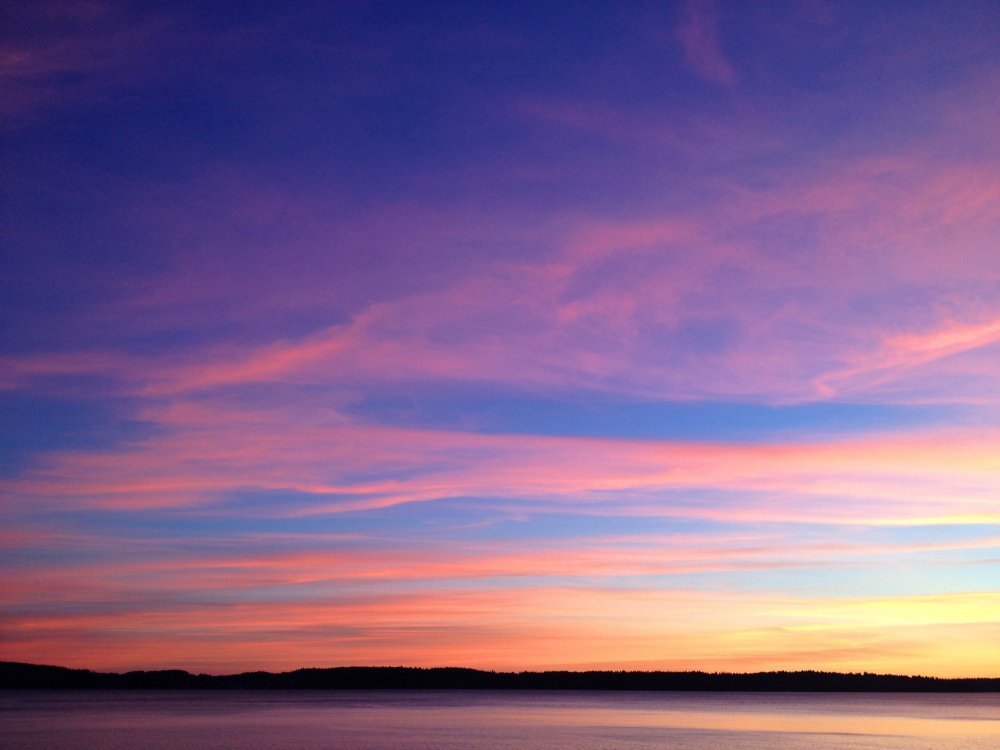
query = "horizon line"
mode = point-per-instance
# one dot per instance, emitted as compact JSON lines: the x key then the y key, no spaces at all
{"x":501,"y":673}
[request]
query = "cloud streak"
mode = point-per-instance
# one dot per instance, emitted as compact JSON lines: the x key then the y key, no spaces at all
{"x":698,"y":34}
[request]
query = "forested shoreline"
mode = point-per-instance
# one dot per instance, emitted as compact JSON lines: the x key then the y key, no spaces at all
{"x":16,"y":675}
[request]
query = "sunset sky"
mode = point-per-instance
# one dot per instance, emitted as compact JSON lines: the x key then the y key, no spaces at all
{"x":645,"y":335}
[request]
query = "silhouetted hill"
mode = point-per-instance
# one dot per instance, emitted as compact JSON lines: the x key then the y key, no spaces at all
{"x":14,"y":675}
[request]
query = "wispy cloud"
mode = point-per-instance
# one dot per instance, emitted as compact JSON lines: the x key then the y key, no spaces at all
{"x":698,"y":34}
{"x":902,"y":352}
{"x":88,"y":50}
{"x":543,"y":627}
{"x":201,"y":454}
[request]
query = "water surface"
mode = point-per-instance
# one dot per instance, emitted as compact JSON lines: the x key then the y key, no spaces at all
{"x":447,"y":720}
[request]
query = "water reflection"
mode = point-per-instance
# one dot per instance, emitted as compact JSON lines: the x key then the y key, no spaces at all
{"x":254,"y":720}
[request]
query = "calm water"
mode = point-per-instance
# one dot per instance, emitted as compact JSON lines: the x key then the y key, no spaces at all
{"x":255,"y":720}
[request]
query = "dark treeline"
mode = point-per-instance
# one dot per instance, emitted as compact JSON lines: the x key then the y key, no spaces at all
{"x":32,"y":676}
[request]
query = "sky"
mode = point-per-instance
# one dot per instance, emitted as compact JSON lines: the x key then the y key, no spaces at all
{"x":563,"y":335}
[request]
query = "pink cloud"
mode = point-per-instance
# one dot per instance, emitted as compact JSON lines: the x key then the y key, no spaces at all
{"x":692,"y":135}
{"x":161,"y":574}
{"x":698,"y":34}
{"x":906,"y":351}
{"x":624,"y":306}
{"x":202,"y":453}
{"x":541,"y":627}
{"x":562,"y":321}
{"x":88,"y":51}
{"x":602,"y":303}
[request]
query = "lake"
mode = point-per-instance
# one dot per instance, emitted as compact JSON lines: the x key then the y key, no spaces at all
{"x":446,"y":720}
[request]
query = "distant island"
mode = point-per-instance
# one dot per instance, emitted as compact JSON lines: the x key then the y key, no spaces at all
{"x":19,"y":676}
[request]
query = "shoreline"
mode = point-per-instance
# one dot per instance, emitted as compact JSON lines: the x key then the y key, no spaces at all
{"x":23,"y":676}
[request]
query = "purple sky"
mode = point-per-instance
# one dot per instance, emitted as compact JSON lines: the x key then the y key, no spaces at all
{"x":660,"y":335}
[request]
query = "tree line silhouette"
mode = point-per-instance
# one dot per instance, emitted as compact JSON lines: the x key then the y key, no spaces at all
{"x":15,"y":675}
